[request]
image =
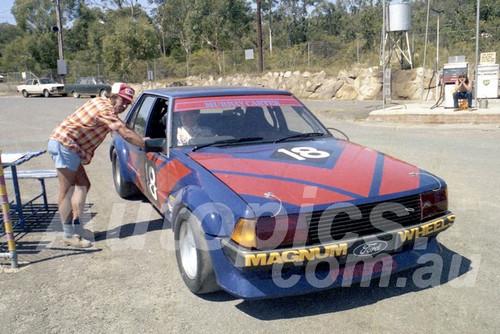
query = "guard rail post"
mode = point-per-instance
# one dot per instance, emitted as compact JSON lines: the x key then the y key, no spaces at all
{"x":9,"y":231}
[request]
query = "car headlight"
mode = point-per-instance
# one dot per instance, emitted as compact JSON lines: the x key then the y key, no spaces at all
{"x":269,"y":232}
{"x":433,"y":203}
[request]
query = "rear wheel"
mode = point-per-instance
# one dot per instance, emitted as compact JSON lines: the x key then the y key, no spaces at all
{"x":46,"y":93}
{"x":102,"y":93}
{"x":191,"y":251}
{"x":75,"y":95}
{"x":124,"y":188}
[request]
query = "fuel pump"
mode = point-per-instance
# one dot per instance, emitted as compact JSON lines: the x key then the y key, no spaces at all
{"x":451,"y":71}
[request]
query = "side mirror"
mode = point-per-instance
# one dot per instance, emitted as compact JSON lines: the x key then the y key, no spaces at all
{"x":154,"y":145}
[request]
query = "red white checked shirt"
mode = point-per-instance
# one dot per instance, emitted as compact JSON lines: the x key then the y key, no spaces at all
{"x":84,"y":130}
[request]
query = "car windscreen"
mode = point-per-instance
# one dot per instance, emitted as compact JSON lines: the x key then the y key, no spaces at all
{"x":205,"y":120}
{"x":47,"y":81}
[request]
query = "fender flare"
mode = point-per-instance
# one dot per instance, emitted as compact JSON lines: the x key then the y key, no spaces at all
{"x":217,"y":219}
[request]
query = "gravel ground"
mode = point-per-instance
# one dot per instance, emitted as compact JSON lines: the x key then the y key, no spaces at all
{"x":129,"y":282}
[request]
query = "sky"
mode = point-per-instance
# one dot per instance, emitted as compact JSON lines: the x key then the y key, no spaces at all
{"x":5,"y":14}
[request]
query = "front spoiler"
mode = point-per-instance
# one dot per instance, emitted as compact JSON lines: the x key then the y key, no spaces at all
{"x":282,"y":279}
{"x":360,"y":247}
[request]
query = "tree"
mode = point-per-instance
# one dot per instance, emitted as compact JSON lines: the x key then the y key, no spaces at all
{"x":127,"y":41}
{"x":174,"y":19}
{"x":38,"y":16}
{"x":219,"y":23}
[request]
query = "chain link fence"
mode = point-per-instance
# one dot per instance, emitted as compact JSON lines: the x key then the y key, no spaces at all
{"x":330,"y":56}
{"x":312,"y":56}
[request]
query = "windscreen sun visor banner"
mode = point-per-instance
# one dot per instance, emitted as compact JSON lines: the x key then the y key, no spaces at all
{"x":219,"y":102}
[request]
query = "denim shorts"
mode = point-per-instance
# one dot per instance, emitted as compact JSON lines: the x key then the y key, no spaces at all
{"x":63,"y":157}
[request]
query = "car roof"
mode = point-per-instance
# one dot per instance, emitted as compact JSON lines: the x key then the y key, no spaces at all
{"x":201,"y":91}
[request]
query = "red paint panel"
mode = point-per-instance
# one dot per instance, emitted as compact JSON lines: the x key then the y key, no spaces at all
{"x":171,"y":173}
{"x":290,"y":192}
{"x":132,"y":165}
{"x":353,"y":171}
{"x":396,"y":177}
{"x":234,"y":101}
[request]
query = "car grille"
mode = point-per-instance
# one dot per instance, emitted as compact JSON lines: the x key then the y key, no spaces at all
{"x":333,"y":224}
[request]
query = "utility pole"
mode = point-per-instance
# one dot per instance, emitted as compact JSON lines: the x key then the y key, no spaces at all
{"x":259,"y":37}
{"x":270,"y":27}
{"x":478,"y":12}
{"x":383,"y":54}
{"x":425,"y":48}
{"x":61,"y":63}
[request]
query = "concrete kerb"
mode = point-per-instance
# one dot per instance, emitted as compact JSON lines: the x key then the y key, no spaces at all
{"x":427,"y":112}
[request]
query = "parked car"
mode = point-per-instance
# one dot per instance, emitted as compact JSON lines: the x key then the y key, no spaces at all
{"x":264,"y":201}
{"x":89,"y":86}
{"x":46,"y":87}
{"x":1,"y":78}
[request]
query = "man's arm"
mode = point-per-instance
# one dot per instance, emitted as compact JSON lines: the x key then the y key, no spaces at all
{"x":131,"y":137}
{"x":469,"y":85}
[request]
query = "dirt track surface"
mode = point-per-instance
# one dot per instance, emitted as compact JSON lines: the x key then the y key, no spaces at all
{"x":129,"y":282}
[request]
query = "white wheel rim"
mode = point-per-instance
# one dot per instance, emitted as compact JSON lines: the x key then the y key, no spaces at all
{"x":187,"y":248}
{"x":117,"y":172}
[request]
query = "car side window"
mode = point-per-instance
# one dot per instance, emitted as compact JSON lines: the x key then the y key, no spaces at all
{"x":139,"y":124}
{"x":158,"y":120}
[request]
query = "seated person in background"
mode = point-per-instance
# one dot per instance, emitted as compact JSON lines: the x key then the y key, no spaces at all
{"x":189,"y":127}
{"x":463,"y":90}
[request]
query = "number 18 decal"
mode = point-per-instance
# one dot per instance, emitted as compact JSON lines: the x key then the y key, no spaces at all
{"x":303,"y":153}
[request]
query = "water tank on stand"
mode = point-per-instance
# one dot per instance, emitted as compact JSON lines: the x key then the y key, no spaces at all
{"x":399,"y":17}
{"x":398,"y":23}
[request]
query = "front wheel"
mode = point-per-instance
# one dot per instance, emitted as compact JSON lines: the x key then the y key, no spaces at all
{"x":191,"y":251}
{"x":25,"y":93}
{"x":124,"y":188}
{"x":75,"y":95}
{"x":103,"y":93}
{"x":46,"y":93}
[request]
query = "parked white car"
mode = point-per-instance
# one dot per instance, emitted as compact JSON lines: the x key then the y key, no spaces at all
{"x":46,"y":87}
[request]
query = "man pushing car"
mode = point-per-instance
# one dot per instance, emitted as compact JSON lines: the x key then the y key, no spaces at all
{"x":72,"y":145}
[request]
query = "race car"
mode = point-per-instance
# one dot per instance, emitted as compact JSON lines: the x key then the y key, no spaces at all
{"x":265,"y":202}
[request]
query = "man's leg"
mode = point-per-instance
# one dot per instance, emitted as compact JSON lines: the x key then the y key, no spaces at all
{"x":469,"y":99}
{"x":68,"y":181}
{"x":82,"y":187}
{"x":66,"y":189}
{"x":455,"y":99}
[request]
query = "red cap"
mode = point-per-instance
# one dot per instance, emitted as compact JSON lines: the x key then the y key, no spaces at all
{"x":127,"y":92}
{"x":123,"y":90}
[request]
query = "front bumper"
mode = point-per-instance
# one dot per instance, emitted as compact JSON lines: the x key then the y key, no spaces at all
{"x":57,"y":91}
{"x":252,"y":274}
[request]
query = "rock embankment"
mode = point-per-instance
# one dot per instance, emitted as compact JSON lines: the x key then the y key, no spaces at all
{"x":356,"y":84}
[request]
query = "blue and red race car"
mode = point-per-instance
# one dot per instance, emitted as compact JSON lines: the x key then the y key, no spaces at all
{"x":264,"y":201}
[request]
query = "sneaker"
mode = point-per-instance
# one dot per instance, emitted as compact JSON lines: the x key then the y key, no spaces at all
{"x":77,"y":241}
{"x":85,"y":234}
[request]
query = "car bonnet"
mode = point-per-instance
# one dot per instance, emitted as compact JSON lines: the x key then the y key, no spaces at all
{"x":313,"y":173}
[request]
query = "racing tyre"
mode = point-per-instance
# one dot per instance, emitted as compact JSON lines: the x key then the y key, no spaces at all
{"x":75,"y":95}
{"x":46,"y":93}
{"x":124,"y":188}
{"x":25,"y":93}
{"x":191,"y":251}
